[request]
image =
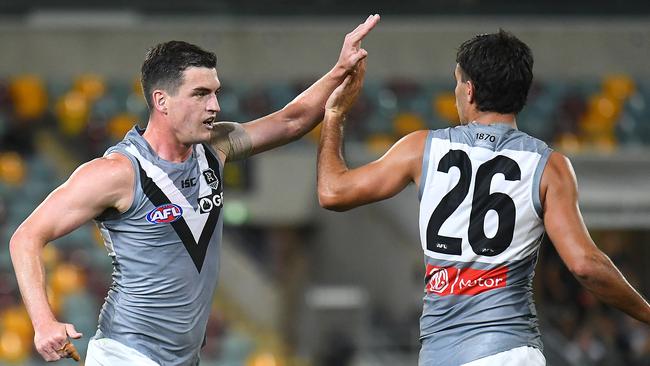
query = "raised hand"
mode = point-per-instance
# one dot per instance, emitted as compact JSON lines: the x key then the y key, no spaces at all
{"x":351,"y":52}
{"x":346,"y":94}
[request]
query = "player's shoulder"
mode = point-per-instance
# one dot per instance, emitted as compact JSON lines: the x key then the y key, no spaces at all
{"x":559,"y":174}
{"x":559,"y":164}
{"x":414,"y":142}
{"x":417,"y":136}
{"x":114,"y":168}
{"x":113,"y":161}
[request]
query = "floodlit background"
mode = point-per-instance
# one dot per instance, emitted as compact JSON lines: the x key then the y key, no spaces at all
{"x":300,"y":285}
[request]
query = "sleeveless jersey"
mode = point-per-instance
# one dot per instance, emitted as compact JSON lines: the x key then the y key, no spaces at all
{"x":165,"y":253}
{"x":480,"y":228}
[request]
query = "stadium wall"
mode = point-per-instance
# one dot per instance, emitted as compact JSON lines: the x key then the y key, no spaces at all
{"x":253,"y":50}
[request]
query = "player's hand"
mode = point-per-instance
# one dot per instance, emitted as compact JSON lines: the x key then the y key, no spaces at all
{"x":51,"y":339}
{"x":343,"y":97}
{"x":351,"y":52}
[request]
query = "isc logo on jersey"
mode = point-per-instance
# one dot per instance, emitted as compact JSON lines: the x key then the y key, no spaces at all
{"x":165,"y":214}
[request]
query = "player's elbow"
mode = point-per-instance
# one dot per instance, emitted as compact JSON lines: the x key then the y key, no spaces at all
{"x":24,"y":241}
{"x":331,"y":201}
{"x":14,"y":243}
{"x":580,"y":270}
{"x":296,"y":129}
{"x":586,"y":267}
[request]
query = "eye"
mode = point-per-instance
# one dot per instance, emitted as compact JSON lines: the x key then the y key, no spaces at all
{"x":201,"y":92}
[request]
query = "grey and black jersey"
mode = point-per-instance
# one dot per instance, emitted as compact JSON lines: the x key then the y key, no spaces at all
{"x":480,"y":229}
{"x":165,"y":252}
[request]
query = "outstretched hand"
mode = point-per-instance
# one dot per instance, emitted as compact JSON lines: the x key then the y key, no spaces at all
{"x":346,"y":94}
{"x":351,"y":52}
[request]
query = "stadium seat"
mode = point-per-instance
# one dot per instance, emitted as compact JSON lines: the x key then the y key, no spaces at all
{"x":29,"y":96}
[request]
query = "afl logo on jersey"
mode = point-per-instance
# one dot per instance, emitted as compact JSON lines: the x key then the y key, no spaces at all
{"x":211,"y":178}
{"x":165,"y":214}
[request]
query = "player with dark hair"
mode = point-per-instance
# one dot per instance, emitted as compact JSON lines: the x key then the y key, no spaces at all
{"x":487,"y":192}
{"x":156,"y":198}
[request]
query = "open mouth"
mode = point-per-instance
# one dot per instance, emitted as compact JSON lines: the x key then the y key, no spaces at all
{"x":209,"y":122}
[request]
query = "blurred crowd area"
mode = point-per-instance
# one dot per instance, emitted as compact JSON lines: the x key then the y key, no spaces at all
{"x":578,"y":328}
{"x":91,"y":113}
{"x":48,"y":127}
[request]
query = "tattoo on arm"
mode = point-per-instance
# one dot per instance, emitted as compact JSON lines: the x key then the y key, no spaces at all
{"x":231,"y":139}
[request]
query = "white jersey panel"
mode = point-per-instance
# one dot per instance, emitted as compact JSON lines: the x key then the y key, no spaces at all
{"x":527,"y":224}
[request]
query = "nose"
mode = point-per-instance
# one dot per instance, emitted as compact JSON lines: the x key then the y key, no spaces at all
{"x":213,"y":104}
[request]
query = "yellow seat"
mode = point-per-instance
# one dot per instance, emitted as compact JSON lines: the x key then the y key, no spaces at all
{"x":29,"y":96}
{"x":618,"y":86}
{"x":405,"y":123}
{"x":120,"y":124}
{"x":66,"y":279}
{"x":444,"y":104}
{"x":12,"y":168}
{"x":13,"y":348}
{"x":379,"y":143}
{"x":91,"y":86}
{"x":72,"y":111}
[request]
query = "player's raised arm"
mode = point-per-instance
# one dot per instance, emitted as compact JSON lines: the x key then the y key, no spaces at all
{"x":340,"y":188}
{"x":567,"y":231}
{"x":300,"y":115}
{"x":94,"y":187}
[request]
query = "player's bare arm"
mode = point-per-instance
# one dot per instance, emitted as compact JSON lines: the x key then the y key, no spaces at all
{"x":303,"y":113}
{"x":567,"y":231}
{"x":231,"y":141}
{"x":94,"y":187}
{"x":341,"y":188}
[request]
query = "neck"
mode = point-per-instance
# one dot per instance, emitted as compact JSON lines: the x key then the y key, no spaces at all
{"x":165,"y":143}
{"x":489,"y":118}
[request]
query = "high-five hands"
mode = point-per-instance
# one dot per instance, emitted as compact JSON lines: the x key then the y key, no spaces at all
{"x":343,"y":97}
{"x":351,"y":52}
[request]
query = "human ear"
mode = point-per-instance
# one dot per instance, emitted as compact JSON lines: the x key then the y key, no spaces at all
{"x":470,"y":92}
{"x":160,"y":101}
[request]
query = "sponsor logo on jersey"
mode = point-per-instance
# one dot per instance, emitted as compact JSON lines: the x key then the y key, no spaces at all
{"x":445,"y":281}
{"x":207,"y":203}
{"x":165,"y":214}
{"x":211,"y":178}
{"x":439,"y":281}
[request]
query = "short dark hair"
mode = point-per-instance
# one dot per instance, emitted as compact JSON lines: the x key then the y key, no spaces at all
{"x":164,"y":64}
{"x":501,"y":68}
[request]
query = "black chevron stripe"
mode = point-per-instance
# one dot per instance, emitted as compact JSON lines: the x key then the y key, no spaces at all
{"x":213,"y":163}
{"x":196,"y":250}
{"x":213,"y":217}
